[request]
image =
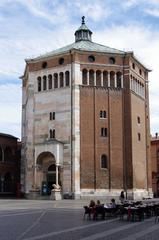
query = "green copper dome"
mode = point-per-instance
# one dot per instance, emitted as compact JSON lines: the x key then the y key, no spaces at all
{"x":83,"y":32}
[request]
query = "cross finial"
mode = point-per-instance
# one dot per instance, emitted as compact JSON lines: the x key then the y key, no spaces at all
{"x":83,"y":21}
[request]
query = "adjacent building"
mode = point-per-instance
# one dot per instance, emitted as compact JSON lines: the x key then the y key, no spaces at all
{"x":85,"y":121}
{"x":10,"y":149}
{"x":155,"y":164}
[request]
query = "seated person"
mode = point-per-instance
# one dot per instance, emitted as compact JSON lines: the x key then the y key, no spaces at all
{"x":92,"y":204}
{"x":113,"y":204}
{"x":98,"y":203}
{"x":99,"y":210}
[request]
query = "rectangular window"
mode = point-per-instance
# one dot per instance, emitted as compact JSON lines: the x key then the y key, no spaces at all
{"x":139,"y":137}
{"x":52,"y":115}
{"x":103,"y":132}
{"x":103,"y":114}
{"x":138,"y":120}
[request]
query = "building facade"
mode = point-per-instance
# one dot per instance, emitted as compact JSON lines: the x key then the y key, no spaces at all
{"x":155,"y":164}
{"x":10,"y":150}
{"x":85,"y":121}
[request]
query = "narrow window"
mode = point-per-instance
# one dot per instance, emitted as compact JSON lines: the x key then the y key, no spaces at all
{"x":133,"y":65}
{"x":84,"y":77}
{"x":105,"y":79}
{"x":55,"y":80}
{"x":50,"y":133}
{"x":44,"y":83}
{"x":67,"y":78}
{"x":61,"y":79}
{"x":103,"y":132}
{"x":104,"y":114}
{"x":53,"y":116}
{"x":104,"y":161}
{"x":112,"y":79}
{"x":118,"y":79}
{"x":50,"y":115}
{"x":138,"y":120}
{"x":91,"y":78}
{"x":53,"y":133}
{"x":139,"y":137}
{"x":39,"y":84}
{"x":98,"y":78}
{"x":50,"y":81}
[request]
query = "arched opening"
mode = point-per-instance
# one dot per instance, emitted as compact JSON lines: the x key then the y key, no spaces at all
{"x":44,"y":83}
{"x":50,"y":81}
{"x":39,"y":83}
{"x":46,"y":172}
{"x":91,"y":78}
{"x":105,"y":79}
{"x":84,"y":77}
{"x":61,"y":79}
{"x":104,"y":161}
{"x":51,"y":177}
{"x":67,"y":78}
{"x":8,"y":184}
{"x":55,"y":80}
{"x":118,"y":75}
{"x":98,"y":78}
{"x":112,"y":79}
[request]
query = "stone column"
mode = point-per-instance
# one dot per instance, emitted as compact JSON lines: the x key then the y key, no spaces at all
{"x":108,"y":79}
{"x":115,"y":80}
{"x":53,"y":84}
{"x":57,"y":175}
{"x":101,"y":78}
{"x":58,"y":80}
{"x":88,"y":77}
{"x":121,"y":81}
{"x":64,"y":79}
{"x":95,"y":78}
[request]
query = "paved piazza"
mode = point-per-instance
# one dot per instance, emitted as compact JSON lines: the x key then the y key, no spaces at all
{"x":58,"y":220}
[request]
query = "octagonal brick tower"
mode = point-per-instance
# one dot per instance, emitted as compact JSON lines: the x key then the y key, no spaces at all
{"x":85,"y":121}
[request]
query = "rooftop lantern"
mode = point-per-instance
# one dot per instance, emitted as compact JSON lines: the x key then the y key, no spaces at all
{"x":83,"y":33}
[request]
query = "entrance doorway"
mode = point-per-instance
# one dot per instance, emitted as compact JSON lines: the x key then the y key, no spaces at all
{"x":51,"y":177}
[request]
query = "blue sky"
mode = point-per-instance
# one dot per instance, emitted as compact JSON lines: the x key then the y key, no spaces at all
{"x":29,"y":28}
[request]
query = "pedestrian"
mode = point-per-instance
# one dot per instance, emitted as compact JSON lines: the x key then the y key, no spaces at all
{"x":122,"y":197}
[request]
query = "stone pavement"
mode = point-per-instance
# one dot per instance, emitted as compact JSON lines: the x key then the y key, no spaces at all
{"x":63,"y":220}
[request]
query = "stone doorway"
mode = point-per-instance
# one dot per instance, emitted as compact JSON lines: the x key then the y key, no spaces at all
{"x":51,"y":177}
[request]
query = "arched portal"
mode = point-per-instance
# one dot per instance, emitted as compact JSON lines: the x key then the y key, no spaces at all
{"x":47,"y":171}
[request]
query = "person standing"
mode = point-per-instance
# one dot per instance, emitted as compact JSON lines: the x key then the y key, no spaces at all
{"x":122,"y":197}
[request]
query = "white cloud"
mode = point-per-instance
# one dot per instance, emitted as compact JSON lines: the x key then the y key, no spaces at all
{"x":153,"y":12}
{"x":95,"y":10}
{"x":10,"y":105}
{"x":130,"y":3}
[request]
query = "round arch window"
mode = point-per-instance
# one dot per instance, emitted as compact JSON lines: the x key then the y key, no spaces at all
{"x":61,"y":61}
{"x":91,"y":58}
{"x":112,"y":60}
{"x":44,"y":64}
